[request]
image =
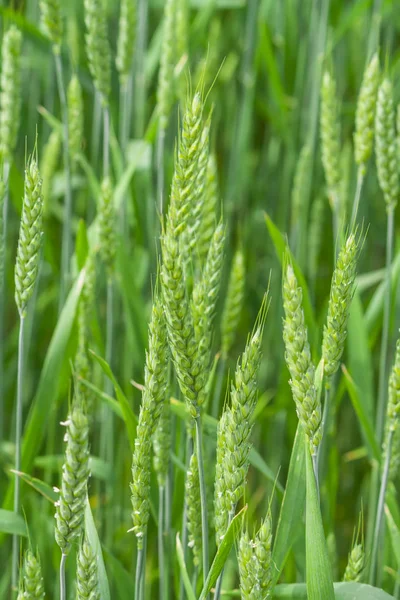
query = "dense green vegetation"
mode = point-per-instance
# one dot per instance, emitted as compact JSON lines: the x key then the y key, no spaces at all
{"x":199,"y":304}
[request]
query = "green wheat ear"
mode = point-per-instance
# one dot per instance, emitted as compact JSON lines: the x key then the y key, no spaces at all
{"x":10,"y":92}
{"x":31,"y":585}
{"x":30,"y":237}
{"x":51,"y":18}
{"x":342,"y":289}
{"x":365,"y":115}
{"x":255,"y":563}
{"x":385,"y":145}
{"x":299,"y":361}
{"x":192,"y":488}
{"x":165,"y":94}
{"x":330,"y":136}
{"x":87,"y":579}
{"x":233,"y":302}
{"x":75,"y":118}
{"x":107,"y":239}
{"x":126,"y":39}
{"x":48,"y":166}
{"x":98,"y":48}
{"x":70,"y":508}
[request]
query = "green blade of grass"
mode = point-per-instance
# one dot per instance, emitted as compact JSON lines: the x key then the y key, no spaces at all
{"x":318,"y":569}
{"x":91,"y":532}
{"x":290,"y":517}
{"x":182,"y":567}
{"x":12,"y":523}
{"x":394,"y":534}
{"x":122,"y":579}
{"x":223,"y":552}
{"x":363,"y":417}
{"x":343,"y":591}
{"x":281,"y":249}
{"x":129,"y":416}
{"x":40,"y":486}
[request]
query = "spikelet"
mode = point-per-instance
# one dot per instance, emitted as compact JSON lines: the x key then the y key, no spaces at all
{"x":162,"y":444}
{"x":70,"y":508}
{"x":107,"y":239}
{"x":10,"y":92}
{"x":233,"y":442}
{"x":255,"y":563}
{"x":30,"y":237}
{"x":165,"y":77}
{"x":330,"y":137}
{"x":192,"y":495}
{"x":205,"y":296}
{"x":209,"y":212}
{"x":75,"y":118}
{"x":183,"y":191}
{"x":300,"y":184}
{"x":365,"y":115}
{"x":342,"y":288}
{"x":98,"y":48}
{"x":87,"y":582}
{"x":52,"y":22}
{"x":155,"y":383}
{"x":356,"y":564}
{"x":32,"y":581}
{"x":126,"y":39}
{"x":299,"y":362}
{"x":48,"y":166}
{"x":385,"y":145}
{"x":233,"y":303}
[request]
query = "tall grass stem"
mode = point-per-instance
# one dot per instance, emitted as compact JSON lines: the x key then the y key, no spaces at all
{"x":380,"y":509}
{"x":203,"y":497}
{"x":106,"y":141}
{"x":160,"y":533}
{"x":18,"y":432}
{"x":67,"y":230}
{"x":381,"y":407}
{"x":139,"y":571}
{"x":63,"y":594}
{"x":360,"y":180}
{"x":3,"y":241}
{"x":160,"y":169}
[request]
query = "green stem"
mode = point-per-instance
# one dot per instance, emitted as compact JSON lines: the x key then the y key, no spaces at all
{"x":123,"y":138}
{"x":189,"y":450}
{"x":107,"y":432}
{"x":18,"y":432}
{"x":63,"y":594}
{"x":3,"y":246}
{"x":106,"y":141}
{"x":321,"y":452}
{"x":360,"y":180}
{"x":96,"y":129}
{"x":66,"y":232}
{"x":203,"y":497}
{"x":381,"y":408}
{"x":139,"y":571}
{"x":380,"y":509}
{"x":140,"y":75}
{"x":161,"y":566}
